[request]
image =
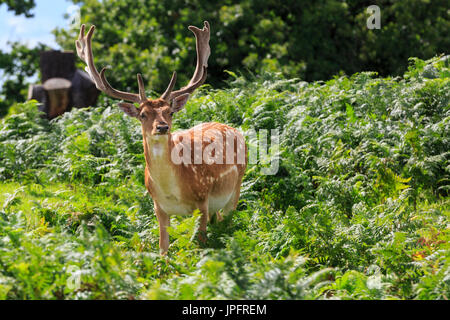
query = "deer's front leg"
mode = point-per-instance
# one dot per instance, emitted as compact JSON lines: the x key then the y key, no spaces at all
{"x":164,"y":222}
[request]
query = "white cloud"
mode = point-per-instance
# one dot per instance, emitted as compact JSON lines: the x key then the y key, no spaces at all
{"x":17,"y":23}
{"x":27,"y":31}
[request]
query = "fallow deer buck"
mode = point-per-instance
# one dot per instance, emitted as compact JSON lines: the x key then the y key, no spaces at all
{"x":178,"y":180}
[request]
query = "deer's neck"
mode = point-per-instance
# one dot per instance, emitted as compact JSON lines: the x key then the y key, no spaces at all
{"x":157,"y":151}
{"x":164,"y":176}
{"x":163,"y":173}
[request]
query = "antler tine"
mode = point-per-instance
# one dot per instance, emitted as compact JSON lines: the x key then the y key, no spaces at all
{"x":141,"y":87}
{"x":169,"y":89}
{"x":84,"y":51}
{"x":203,"y":52}
{"x":191,"y":87}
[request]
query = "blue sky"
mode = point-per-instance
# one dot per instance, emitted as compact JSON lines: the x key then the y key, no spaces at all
{"x":48,"y":14}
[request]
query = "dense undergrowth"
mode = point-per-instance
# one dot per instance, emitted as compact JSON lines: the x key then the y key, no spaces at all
{"x":358,"y":209}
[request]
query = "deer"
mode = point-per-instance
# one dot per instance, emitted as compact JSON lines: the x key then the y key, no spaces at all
{"x":187,"y":170}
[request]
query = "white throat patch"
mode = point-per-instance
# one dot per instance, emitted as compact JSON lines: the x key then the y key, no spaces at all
{"x":157,"y":145}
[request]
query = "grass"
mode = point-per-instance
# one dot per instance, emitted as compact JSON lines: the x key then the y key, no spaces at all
{"x":358,"y":209}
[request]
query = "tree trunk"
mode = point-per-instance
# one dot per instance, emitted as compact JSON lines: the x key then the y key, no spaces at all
{"x":84,"y":91}
{"x":37,"y":92}
{"x":57,"y":64}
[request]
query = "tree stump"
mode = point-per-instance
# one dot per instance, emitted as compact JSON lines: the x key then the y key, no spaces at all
{"x":63,"y":86}
{"x":58,"y":92}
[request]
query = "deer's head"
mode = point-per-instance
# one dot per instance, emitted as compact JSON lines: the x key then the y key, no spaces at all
{"x":155,"y":115}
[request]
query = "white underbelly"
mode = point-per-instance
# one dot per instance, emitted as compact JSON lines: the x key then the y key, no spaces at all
{"x":218,"y":202}
{"x":174,"y":207}
{"x":168,"y":195}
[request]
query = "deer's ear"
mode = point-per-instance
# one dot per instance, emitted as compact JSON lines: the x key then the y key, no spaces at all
{"x":129,"y":109}
{"x":179,"y":102}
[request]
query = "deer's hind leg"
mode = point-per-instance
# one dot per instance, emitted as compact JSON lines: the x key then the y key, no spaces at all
{"x":232,"y":204}
{"x":204,"y":210}
{"x":219,"y":216}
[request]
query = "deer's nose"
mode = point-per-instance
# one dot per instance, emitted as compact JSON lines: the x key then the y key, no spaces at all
{"x":162,"y":128}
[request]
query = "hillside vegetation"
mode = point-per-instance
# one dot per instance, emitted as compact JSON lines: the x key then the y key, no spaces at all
{"x":358,"y":209}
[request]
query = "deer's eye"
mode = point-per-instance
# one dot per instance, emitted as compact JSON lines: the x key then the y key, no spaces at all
{"x":142,"y":116}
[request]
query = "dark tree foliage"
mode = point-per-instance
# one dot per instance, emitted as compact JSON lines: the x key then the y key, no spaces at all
{"x":20,"y":6}
{"x":313,"y":40}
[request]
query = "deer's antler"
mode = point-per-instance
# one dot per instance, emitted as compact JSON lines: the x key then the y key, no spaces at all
{"x":84,"y":51}
{"x":199,"y":77}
